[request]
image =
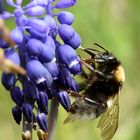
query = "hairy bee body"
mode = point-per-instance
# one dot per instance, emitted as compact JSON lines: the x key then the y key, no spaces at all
{"x":101,"y":94}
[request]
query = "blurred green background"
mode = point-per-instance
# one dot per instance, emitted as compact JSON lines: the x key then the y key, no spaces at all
{"x":115,"y":24}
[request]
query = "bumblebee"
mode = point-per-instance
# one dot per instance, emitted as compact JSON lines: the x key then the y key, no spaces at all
{"x":101,"y":95}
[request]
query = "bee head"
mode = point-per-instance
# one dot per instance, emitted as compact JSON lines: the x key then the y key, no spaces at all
{"x":106,"y":58}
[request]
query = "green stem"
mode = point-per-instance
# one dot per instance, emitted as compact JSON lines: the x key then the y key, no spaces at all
{"x":53,"y":114}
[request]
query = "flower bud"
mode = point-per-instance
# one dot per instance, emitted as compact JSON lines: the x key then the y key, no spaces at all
{"x":11,"y":3}
{"x":36,"y":34}
{"x":17,"y":114}
{"x":52,"y":68}
{"x":52,"y":91}
{"x":27,"y":112}
{"x":19,"y":2}
{"x":66,"y":32}
{"x":34,"y":46}
{"x":12,"y":55}
{"x":65,"y":18}
{"x":38,"y":24}
{"x":8,"y":80}
{"x":17,"y":95}
{"x":64,"y":99}
{"x":50,"y":21}
{"x":64,"y":77}
{"x":47,"y":54}
{"x":38,"y":73}
{"x":75,"y":67}
{"x":75,"y":42}
{"x":42,"y":101}
{"x":22,"y":20}
{"x":42,"y":121}
{"x":6,"y":15}
{"x":30,"y":91}
{"x":50,"y":42}
{"x":36,"y":3}
{"x":65,"y":4}
{"x":16,"y":35}
{"x":68,"y":56}
{"x":35,"y":11}
{"x":74,"y":85}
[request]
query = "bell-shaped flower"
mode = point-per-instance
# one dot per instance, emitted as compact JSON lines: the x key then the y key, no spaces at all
{"x":34,"y":46}
{"x":75,"y":67}
{"x":6,"y":15}
{"x":52,"y":91}
{"x":47,"y":54}
{"x":50,"y":42}
{"x":19,"y":2}
{"x":74,"y":86}
{"x":42,"y":102}
{"x":30,"y":91}
{"x":50,"y":21}
{"x":35,"y":11}
{"x":65,"y":4}
{"x":34,"y":3}
{"x":64,"y":99}
{"x":66,"y":32}
{"x":22,"y":20}
{"x":52,"y":68}
{"x":42,"y":121}
{"x":16,"y":35}
{"x":64,"y":77}
{"x":38,"y":73}
{"x":75,"y":42}
{"x":11,"y":3}
{"x":38,"y":24}
{"x":35,"y":33}
{"x":65,"y":17}
{"x":27,"y":112}
{"x":12,"y":55}
{"x":17,"y":114}
{"x":8,"y":80}
{"x":68,"y":56}
{"x":17,"y":95}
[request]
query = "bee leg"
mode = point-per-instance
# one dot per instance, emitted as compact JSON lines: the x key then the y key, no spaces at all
{"x":88,"y":63}
{"x":89,"y":60}
{"x":74,"y":94}
{"x":89,"y":52}
{"x":85,"y":75}
{"x":81,"y":86}
{"x":100,"y":74}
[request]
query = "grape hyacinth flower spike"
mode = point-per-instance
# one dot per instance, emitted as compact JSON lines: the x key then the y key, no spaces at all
{"x":49,"y":63}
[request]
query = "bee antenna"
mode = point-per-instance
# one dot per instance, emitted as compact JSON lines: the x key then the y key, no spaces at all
{"x":101,"y":47}
{"x":93,"y":49}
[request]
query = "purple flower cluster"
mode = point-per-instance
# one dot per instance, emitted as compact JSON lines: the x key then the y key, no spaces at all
{"x":49,"y":64}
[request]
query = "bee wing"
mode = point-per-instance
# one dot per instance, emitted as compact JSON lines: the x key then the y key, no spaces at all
{"x":108,"y":123}
{"x":71,"y":118}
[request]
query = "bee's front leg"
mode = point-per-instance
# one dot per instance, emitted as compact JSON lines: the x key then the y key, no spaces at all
{"x":74,"y":94}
